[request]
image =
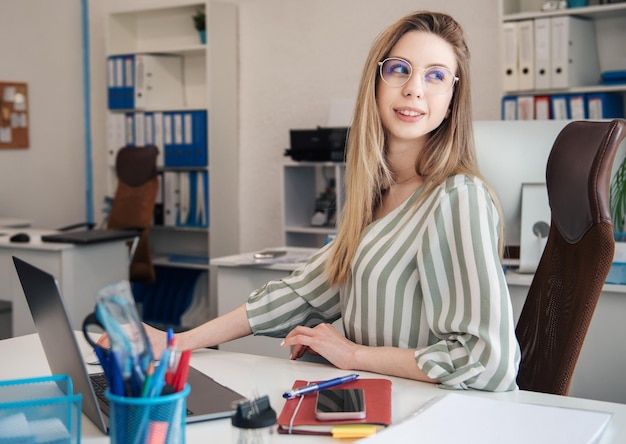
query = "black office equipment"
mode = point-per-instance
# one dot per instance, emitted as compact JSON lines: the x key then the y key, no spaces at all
{"x":320,"y":144}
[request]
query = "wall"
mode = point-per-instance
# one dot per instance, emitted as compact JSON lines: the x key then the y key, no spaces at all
{"x":297,"y":56}
{"x":46,"y":182}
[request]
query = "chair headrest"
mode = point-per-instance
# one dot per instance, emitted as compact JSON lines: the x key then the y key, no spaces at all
{"x":136,"y":165}
{"x":578,"y":175}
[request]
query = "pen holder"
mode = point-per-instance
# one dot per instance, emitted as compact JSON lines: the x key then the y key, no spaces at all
{"x":154,"y":420}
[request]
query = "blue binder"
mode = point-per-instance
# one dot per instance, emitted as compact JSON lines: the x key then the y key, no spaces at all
{"x":509,"y":108}
{"x":605,"y":105}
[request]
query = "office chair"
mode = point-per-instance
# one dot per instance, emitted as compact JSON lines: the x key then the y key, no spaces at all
{"x":577,"y":257}
{"x":133,"y":204}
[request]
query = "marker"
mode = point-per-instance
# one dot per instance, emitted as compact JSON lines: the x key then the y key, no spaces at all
{"x":301,"y":391}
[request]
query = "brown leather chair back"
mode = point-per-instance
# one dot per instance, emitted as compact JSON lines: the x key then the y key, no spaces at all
{"x":133,"y":204}
{"x":577,"y":257}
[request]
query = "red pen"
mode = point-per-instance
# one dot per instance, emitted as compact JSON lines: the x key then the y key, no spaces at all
{"x":182,"y":371}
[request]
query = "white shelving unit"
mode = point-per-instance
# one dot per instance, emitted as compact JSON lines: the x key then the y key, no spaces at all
{"x":303,"y":182}
{"x":210,"y":73}
{"x":610,"y":29}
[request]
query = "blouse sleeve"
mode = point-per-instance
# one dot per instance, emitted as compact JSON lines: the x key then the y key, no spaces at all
{"x":466,"y":298}
{"x":302,"y":298}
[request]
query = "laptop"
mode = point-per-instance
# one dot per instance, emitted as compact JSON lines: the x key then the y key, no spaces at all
{"x":207,"y":400}
{"x":85,"y":237}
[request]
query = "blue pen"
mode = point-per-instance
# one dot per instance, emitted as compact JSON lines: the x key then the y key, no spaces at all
{"x":301,"y":391}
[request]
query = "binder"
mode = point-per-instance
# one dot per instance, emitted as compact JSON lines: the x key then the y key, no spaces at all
{"x":195,"y":138}
{"x":526,"y":54}
{"x":302,"y":410}
{"x":158,"y":138}
{"x":128,"y":98}
{"x":129,"y":129}
{"x":170,"y":198}
{"x":114,"y":82}
{"x":116,"y":136}
{"x":542,"y":107}
{"x":605,"y":105}
{"x":525,"y":108}
{"x":574,"y":57}
{"x":184,"y":199}
{"x":559,"y":107}
{"x":148,"y":121}
{"x":510,"y":74}
{"x":509,"y":108}
{"x":201,"y":207}
{"x":542,"y":53}
{"x":157,"y":218}
{"x":140,"y":134}
{"x":577,"y":105}
{"x":158,"y":81}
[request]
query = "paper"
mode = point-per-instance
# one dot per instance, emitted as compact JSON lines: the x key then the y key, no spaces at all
{"x":468,"y":419}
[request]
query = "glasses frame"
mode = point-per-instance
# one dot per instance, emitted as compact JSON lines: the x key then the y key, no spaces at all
{"x":455,"y":79}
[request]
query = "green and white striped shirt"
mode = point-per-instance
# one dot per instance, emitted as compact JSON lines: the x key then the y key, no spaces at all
{"x":427,"y":278}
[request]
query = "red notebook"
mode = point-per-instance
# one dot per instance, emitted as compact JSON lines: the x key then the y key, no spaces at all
{"x":298,"y":414}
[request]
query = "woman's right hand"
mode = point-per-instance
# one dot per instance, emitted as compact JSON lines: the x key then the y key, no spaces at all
{"x":157,"y":338}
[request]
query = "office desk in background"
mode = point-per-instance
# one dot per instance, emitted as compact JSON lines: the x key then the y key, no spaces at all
{"x":81,"y":270}
{"x":12,"y":222}
{"x":254,"y":375}
{"x":237,"y":278}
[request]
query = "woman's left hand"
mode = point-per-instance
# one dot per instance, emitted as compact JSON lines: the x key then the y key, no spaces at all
{"x":323,"y":340}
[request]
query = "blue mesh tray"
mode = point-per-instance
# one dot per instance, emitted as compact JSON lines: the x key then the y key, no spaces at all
{"x":39,"y":410}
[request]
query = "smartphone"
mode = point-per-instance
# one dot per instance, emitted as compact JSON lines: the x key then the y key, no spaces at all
{"x":269,"y":254}
{"x":335,"y":404}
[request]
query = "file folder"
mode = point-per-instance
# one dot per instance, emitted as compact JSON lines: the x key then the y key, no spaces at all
{"x":542,"y":53}
{"x":184,"y":199}
{"x":170,"y":198}
{"x":577,"y":106}
{"x":128,"y":98}
{"x":525,"y":108}
{"x":509,"y":108}
{"x":140,"y":134}
{"x":158,"y":81}
{"x":526,"y":54}
{"x":129,"y":128}
{"x":115,"y":82}
{"x":559,"y":107}
{"x":542,"y":107}
{"x":605,"y":105}
{"x":574,"y":56}
{"x":116,"y":136}
{"x":510,"y":80}
{"x":158,"y":138}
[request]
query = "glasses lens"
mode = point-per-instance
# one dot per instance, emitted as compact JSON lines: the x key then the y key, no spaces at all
{"x":395,"y":72}
{"x":438,"y":80}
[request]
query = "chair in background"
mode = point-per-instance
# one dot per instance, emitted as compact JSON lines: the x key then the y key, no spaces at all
{"x":577,"y":257}
{"x":133,"y":204}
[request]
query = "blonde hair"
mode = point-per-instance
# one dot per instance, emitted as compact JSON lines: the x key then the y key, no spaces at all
{"x":448,"y":151}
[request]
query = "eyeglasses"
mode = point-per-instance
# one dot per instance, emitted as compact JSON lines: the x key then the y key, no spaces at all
{"x":396,"y":72}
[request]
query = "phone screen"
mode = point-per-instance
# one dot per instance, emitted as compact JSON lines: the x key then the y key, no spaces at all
{"x":335,"y":404}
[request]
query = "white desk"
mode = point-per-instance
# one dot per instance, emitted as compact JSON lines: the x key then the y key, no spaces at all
{"x":236,"y":279}
{"x":239,"y":275}
{"x":12,"y":222}
{"x":254,"y":374}
{"x":81,"y":271}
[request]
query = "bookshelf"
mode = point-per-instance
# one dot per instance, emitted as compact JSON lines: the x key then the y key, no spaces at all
{"x":303,"y":183}
{"x":208,"y":79}
{"x":609,"y":30}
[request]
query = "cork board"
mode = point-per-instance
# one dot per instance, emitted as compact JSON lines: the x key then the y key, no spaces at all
{"x":13,"y":115}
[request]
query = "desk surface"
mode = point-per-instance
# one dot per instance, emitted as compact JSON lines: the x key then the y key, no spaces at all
{"x":252,"y":374}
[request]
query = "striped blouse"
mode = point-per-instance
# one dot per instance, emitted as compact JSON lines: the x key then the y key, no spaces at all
{"x":426,"y":278}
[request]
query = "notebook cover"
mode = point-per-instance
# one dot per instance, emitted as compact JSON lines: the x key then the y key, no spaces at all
{"x":377,"y":408}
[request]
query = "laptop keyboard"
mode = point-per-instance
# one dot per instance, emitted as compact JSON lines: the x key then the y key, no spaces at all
{"x":100,"y":384}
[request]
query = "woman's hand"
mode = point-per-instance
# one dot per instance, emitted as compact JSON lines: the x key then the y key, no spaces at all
{"x":157,"y":338}
{"x":323,"y":340}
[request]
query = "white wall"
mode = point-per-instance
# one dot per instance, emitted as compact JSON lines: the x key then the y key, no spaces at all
{"x":299,"y":55}
{"x":41,"y":45}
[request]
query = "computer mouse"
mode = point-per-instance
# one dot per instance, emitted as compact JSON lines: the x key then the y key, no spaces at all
{"x":20,"y":237}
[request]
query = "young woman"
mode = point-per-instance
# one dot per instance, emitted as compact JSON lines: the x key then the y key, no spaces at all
{"x":414,"y":271}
